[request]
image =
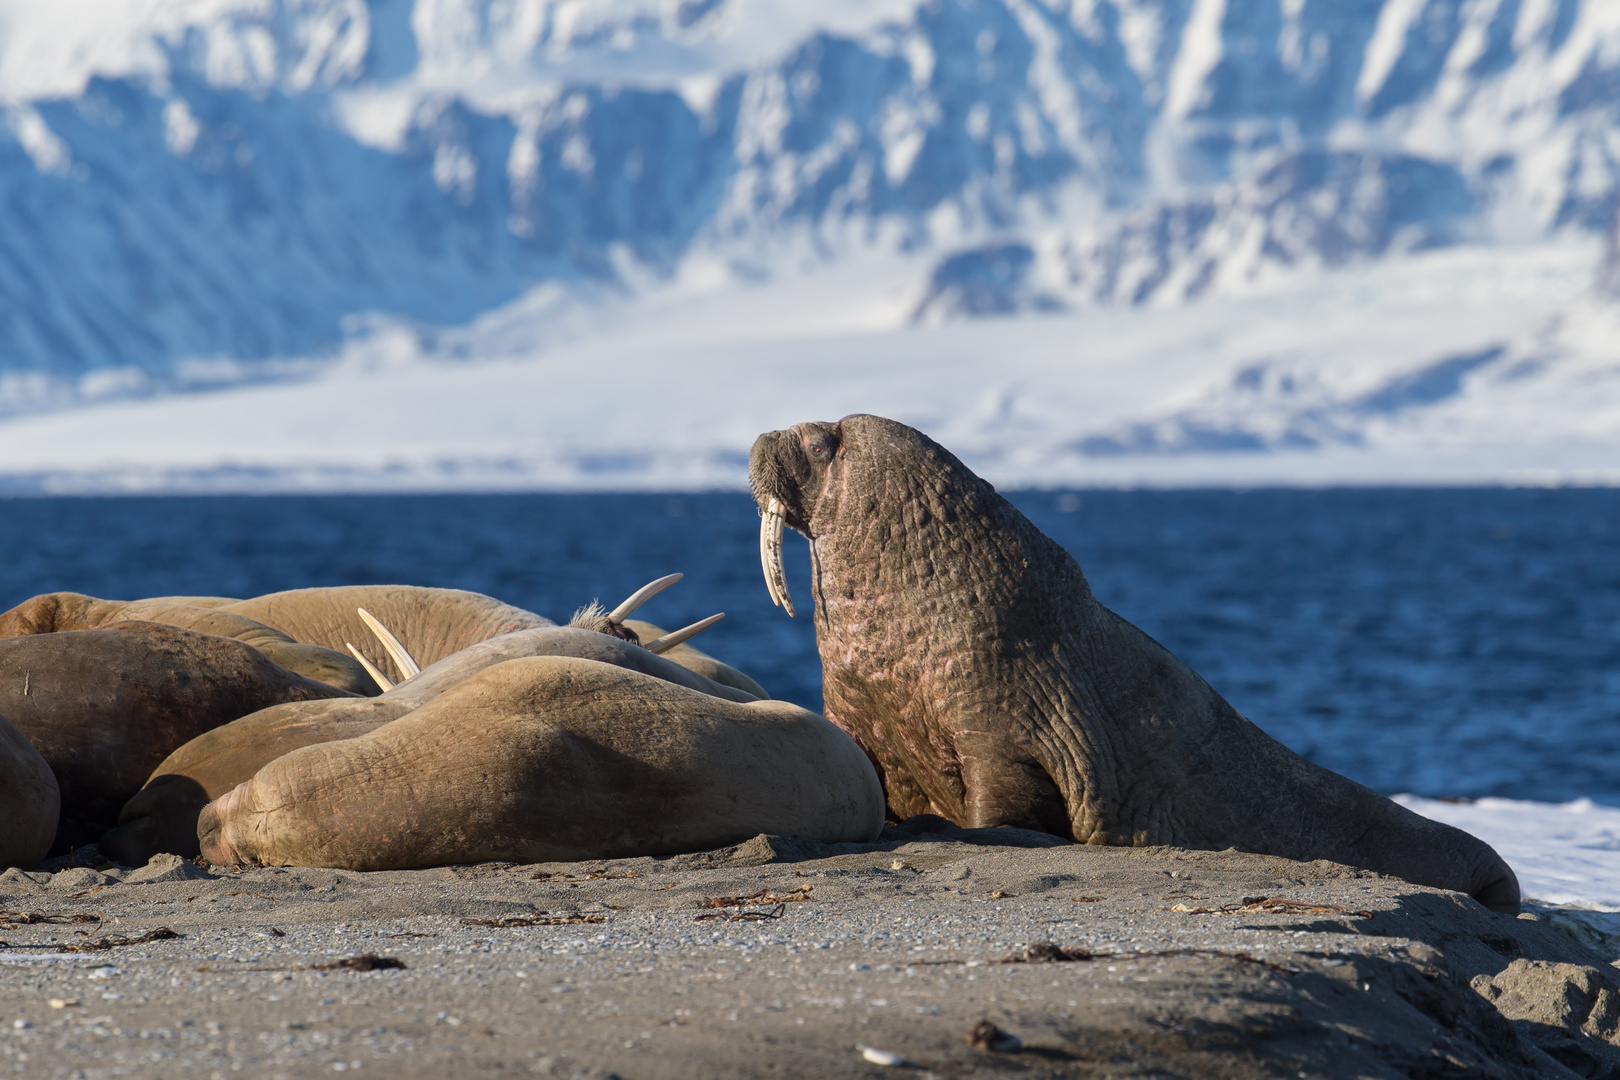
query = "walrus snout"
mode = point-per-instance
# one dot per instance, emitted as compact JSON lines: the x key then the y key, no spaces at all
{"x":776,"y":471}
{"x":784,"y":465}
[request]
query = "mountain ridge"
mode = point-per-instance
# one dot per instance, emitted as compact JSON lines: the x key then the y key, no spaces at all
{"x":200,"y":195}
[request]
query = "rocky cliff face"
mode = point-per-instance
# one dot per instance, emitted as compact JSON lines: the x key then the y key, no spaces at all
{"x":201,"y":193}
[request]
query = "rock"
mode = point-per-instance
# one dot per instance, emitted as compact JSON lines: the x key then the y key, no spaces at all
{"x":15,"y":882}
{"x":79,"y":877}
{"x":166,"y":868}
{"x":1570,"y":1011}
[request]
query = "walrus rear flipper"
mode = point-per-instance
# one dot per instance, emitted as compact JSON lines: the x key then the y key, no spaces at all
{"x":1501,"y":893}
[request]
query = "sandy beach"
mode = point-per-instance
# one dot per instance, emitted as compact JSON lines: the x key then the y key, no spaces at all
{"x":1200,"y":965}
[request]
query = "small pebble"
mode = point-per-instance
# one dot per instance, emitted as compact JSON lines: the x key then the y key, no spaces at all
{"x":62,"y":1003}
{"x":881,"y":1057}
{"x":986,"y":1036}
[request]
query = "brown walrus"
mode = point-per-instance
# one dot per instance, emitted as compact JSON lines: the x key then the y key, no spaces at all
{"x":550,"y":758}
{"x":965,"y":652}
{"x":51,"y":613}
{"x":697,"y":661}
{"x":29,"y":800}
{"x":430,"y":623}
{"x":103,"y":707}
{"x":162,"y":816}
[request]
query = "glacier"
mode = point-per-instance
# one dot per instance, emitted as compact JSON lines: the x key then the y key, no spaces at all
{"x":427,"y":244}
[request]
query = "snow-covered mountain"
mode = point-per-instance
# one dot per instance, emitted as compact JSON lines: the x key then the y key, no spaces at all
{"x":208,"y":194}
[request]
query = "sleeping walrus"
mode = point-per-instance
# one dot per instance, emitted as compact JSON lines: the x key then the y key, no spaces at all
{"x":550,"y":758}
{"x":29,"y":800}
{"x":162,"y":816}
{"x":103,"y":707}
{"x":303,"y":630}
{"x":964,"y":650}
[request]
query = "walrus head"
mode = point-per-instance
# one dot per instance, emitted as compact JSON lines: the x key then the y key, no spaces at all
{"x":881,"y":497}
{"x":964,"y":651}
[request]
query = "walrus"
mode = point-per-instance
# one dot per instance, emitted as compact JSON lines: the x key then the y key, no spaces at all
{"x":550,"y":758}
{"x":696,"y":660}
{"x":103,"y":707}
{"x":162,"y":815}
{"x":964,"y":651}
{"x":57,"y":612}
{"x":29,"y":800}
{"x":431,"y":623}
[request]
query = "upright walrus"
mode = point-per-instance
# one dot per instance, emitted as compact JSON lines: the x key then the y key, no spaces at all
{"x":964,"y":650}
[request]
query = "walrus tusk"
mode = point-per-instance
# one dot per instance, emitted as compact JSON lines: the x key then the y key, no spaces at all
{"x":669,"y":641}
{"x":407,"y":666}
{"x":371,"y":669}
{"x":641,"y":596}
{"x":770,"y":556}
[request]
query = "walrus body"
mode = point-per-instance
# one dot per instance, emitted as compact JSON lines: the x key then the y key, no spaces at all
{"x":29,"y":800}
{"x":58,"y":612}
{"x":431,"y":623}
{"x":698,"y":661}
{"x":965,"y":652}
{"x":103,"y":707}
{"x":162,"y":816}
{"x":550,"y":758}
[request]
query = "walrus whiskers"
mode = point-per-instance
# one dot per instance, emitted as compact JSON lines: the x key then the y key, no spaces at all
{"x":371,"y":669}
{"x":407,"y":666}
{"x":770,"y":556}
{"x":670,"y":640}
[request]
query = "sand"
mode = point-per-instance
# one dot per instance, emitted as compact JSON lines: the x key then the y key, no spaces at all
{"x":896,"y":946}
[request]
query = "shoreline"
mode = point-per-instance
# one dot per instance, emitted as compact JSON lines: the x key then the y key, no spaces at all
{"x":902,"y":946}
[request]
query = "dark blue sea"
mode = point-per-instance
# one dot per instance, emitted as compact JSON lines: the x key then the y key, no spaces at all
{"x":1444,"y":642}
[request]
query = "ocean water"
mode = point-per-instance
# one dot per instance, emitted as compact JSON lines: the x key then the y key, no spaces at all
{"x":1448,"y":643}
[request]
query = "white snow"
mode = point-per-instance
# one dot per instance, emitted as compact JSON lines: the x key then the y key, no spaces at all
{"x":1201,"y":50}
{"x":668,"y":387}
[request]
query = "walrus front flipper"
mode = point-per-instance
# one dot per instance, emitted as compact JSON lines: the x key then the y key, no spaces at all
{"x":1000,"y":790}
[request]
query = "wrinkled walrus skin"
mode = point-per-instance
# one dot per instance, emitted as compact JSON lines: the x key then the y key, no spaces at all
{"x":103,"y":707}
{"x":964,"y":650}
{"x":56,"y":612}
{"x":29,"y":801}
{"x":162,"y":816}
{"x":550,"y":758}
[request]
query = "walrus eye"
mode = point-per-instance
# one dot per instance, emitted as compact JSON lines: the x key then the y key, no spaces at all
{"x":821,"y":447}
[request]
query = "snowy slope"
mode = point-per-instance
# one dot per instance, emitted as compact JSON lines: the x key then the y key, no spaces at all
{"x":1153,"y":240}
{"x":667,"y":389}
